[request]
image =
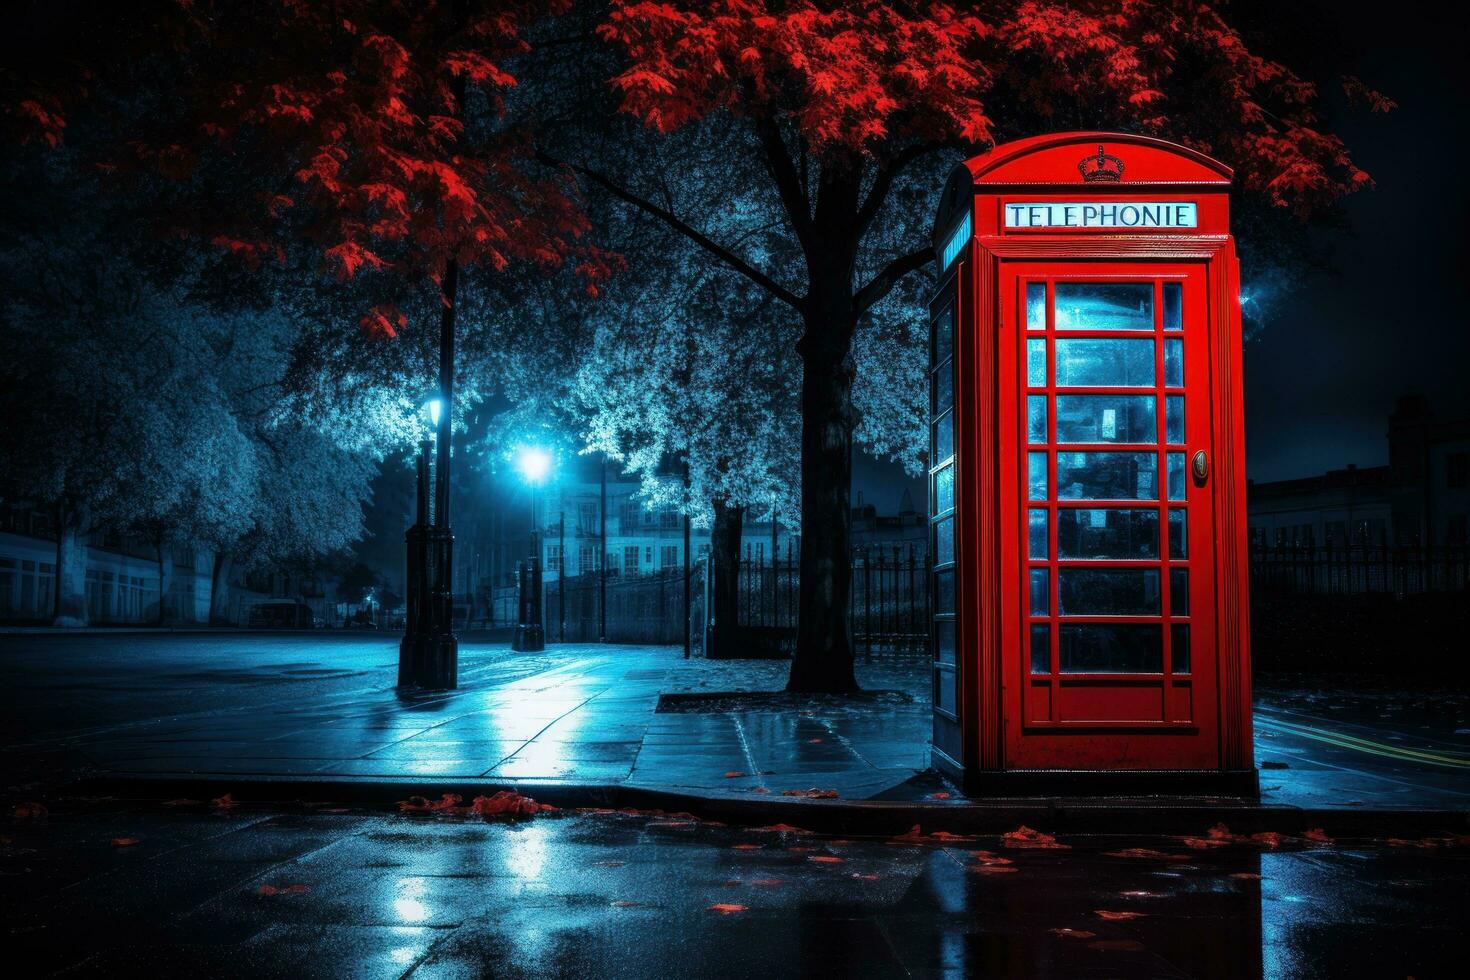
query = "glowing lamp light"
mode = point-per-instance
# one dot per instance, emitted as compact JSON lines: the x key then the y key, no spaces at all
{"x":534,"y":463}
{"x":434,"y":406}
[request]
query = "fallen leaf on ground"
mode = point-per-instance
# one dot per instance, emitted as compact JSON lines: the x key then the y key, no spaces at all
{"x":1117,"y":916}
{"x":992,"y":869}
{"x":510,"y":804}
{"x":420,"y":804}
{"x":990,"y":857}
{"x":778,"y":828}
{"x":813,"y":793}
{"x":745,"y":847}
{"x":767,"y":882}
{"x":283,"y":890}
{"x":1144,"y":853}
{"x":729,"y":882}
{"x":760,"y":789}
{"x":814,"y":741}
{"x":937,"y":796}
{"x":223,"y":802}
{"x":1072,"y":933}
{"x":1025,"y":838}
{"x":1246,"y":876}
{"x":916,"y":835}
{"x":1269,"y":838}
{"x":862,"y":877}
{"x":1317,"y":836}
{"x":124,"y":841}
{"x":728,"y":908}
{"x":825,"y":859}
{"x":30,"y":811}
{"x":734,"y":774}
{"x":801,"y":850}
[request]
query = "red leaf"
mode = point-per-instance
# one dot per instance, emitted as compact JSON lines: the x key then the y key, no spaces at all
{"x":1117,"y":916}
{"x":30,"y":811}
{"x":1317,"y":836}
{"x":1072,"y":933}
{"x":283,"y":890}
{"x":728,"y":908}
{"x":1027,"y":839}
{"x":124,"y":841}
{"x":779,"y":828}
{"x":1246,"y":876}
{"x":734,"y":774}
{"x":825,"y":859}
{"x":225,"y":802}
{"x":813,"y":793}
{"x":509,"y":803}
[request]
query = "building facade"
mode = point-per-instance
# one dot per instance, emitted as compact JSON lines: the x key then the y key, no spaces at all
{"x":1422,"y":497}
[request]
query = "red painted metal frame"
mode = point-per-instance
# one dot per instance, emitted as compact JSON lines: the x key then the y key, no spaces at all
{"x":990,"y":432}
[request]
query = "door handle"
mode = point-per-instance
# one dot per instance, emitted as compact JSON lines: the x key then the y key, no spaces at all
{"x":1201,"y":466}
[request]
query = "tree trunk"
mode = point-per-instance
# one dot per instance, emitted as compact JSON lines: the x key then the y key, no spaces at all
{"x":219,"y":589}
{"x":70,"y":603}
{"x":165,"y":577}
{"x":823,"y":661}
{"x":725,"y":539}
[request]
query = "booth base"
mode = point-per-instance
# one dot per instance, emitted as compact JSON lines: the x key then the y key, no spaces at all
{"x":1243,"y":783}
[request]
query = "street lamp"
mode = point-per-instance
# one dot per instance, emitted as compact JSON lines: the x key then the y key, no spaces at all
{"x":428,"y":656}
{"x":534,"y":464}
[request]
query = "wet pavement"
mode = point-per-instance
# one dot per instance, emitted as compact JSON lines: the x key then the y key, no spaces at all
{"x":321,"y":706}
{"x":97,"y":889}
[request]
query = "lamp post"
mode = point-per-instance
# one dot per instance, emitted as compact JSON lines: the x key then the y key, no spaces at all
{"x":534,"y":464}
{"x":428,"y":656}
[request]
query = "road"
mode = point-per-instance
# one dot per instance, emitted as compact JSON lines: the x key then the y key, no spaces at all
{"x":94,"y":889}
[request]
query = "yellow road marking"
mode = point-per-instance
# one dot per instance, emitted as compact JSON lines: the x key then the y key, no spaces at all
{"x":1352,"y":742}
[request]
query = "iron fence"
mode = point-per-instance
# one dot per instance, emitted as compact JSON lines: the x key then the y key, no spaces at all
{"x":642,"y":608}
{"x":1362,"y":568}
{"x":890,"y":595}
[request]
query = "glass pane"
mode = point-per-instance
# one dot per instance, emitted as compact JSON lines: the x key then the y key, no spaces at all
{"x":1111,"y":648}
{"x":1176,"y":476}
{"x":944,"y":437}
{"x":1039,"y":543}
{"x":943,"y":388}
{"x":1178,"y":535}
{"x":1036,"y":418}
{"x":1174,"y":363}
{"x":1113,"y":532}
{"x":1105,"y":363}
{"x":944,"y":592}
{"x":1040,"y":592}
{"x":1107,"y":476}
{"x":1108,"y":591}
{"x":944,"y":689}
{"x":1036,"y":362}
{"x":1036,"y":306}
{"x":1179,"y":592}
{"x":943,"y":335}
{"x":1173,"y":306}
{"x":1105,"y":305}
{"x":1036,"y":475}
{"x":1040,"y":648}
{"x":944,"y":541}
{"x":944,"y":641}
{"x":944,"y":489}
{"x":1174,"y":418}
{"x":1179,"y":647}
{"x":1106,"y":418}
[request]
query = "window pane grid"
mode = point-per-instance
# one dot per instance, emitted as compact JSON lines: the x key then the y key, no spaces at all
{"x":1155,"y":610}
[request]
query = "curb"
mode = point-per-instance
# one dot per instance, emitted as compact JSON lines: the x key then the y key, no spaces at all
{"x":1118,"y":815}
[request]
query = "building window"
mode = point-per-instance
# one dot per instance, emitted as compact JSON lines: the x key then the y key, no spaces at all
{"x":553,"y":558}
{"x":1457,"y":471}
{"x":610,"y":562}
{"x":587,"y":518}
{"x":1336,"y":533}
{"x":630,"y":559}
{"x":586,"y":560}
{"x":668,"y":556}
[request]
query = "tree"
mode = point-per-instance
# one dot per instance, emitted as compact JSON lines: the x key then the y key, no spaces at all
{"x":841,"y":103}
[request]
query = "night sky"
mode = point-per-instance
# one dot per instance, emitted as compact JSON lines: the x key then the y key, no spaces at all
{"x":1322,"y":376}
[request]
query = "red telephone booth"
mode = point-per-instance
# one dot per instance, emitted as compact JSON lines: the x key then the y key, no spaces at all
{"x":1087,"y":495}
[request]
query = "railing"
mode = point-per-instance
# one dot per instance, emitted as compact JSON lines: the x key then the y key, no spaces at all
{"x":890,"y":595}
{"x":644,"y":608}
{"x":1361,"y":568}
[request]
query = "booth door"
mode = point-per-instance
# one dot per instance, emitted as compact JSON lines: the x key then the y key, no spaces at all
{"x":1112,"y":647}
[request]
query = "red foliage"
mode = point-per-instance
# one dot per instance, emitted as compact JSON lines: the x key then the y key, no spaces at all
{"x":865,"y":77}
{"x":350,"y":113}
{"x":728,"y":908}
{"x":124,"y":841}
{"x":1117,"y":916}
{"x":225,"y":802}
{"x":1027,"y":839}
{"x":30,"y":811}
{"x":282,"y":890}
{"x":813,"y":793}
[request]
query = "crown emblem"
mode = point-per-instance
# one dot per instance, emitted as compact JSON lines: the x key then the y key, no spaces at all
{"x":1101,"y":167}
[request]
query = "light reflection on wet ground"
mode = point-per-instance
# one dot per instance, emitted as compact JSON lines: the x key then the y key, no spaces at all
{"x":606,"y":895}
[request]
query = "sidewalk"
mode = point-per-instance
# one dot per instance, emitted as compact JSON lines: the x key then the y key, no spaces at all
{"x":581,"y":719}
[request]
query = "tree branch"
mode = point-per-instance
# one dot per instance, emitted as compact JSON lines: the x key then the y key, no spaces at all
{"x":789,"y":183}
{"x":726,"y":256}
{"x":881,"y":284}
{"x":883,"y":182}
